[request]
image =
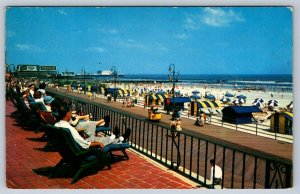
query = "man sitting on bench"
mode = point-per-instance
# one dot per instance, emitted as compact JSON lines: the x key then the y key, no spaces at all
{"x":92,"y":141}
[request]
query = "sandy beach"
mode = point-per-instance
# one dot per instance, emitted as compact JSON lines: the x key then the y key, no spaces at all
{"x":283,"y":98}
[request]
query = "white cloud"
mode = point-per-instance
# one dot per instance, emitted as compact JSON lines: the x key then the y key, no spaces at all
{"x":219,"y":17}
{"x":216,"y":17}
{"x":62,"y":12}
{"x":95,"y":49}
{"x":191,"y":22}
{"x":28,"y":47}
{"x":131,"y":43}
{"x":181,"y":36}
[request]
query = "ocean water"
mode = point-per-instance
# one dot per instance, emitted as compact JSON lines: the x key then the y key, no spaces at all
{"x":284,"y":80}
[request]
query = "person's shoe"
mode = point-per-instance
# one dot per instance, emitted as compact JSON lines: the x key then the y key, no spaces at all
{"x":121,"y":139}
{"x":116,"y":132}
{"x":112,"y":137}
{"x":127,"y":134}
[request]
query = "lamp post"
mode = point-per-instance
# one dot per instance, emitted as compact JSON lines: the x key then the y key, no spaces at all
{"x":172,"y":74}
{"x":83,"y":72}
{"x":172,"y":78}
{"x":114,"y":76}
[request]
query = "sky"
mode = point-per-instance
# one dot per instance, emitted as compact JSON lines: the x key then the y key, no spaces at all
{"x":146,"y":40}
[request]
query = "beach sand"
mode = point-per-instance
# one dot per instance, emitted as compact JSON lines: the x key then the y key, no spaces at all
{"x":283,"y":98}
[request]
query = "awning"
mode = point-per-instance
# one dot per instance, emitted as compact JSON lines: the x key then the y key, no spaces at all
{"x":152,"y":97}
{"x":120,"y":92}
{"x":208,"y":104}
{"x":288,"y":115}
{"x":160,"y":96}
{"x":180,"y":100}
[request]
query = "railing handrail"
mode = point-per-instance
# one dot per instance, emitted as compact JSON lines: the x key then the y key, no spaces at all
{"x":204,"y":137}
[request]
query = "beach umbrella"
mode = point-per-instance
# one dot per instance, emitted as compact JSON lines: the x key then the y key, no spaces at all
{"x":290,"y":105}
{"x":161,"y":92}
{"x":225,"y":99}
{"x":227,"y":94}
{"x":210,"y":97}
{"x":273,"y":103}
{"x":258,"y":100}
{"x":241,"y":97}
{"x":195,"y":97}
{"x":239,"y":101}
{"x":195,"y":92}
{"x":258,"y":104}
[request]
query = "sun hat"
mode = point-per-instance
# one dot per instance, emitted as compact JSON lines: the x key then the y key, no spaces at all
{"x":48,"y":99}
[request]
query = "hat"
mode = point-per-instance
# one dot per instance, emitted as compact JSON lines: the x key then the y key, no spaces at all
{"x":48,"y":99}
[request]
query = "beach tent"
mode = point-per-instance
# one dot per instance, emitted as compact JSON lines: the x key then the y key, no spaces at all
{"x":239,"y":114}
{"x":199,"y":104}
{"x":113,"y":91}
{"x":178,"y":102}
{"x":155,"y":99}
{"x":161,"y":96}
{"x":282,"y":122}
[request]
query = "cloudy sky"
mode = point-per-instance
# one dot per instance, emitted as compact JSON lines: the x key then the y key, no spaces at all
{"x":146,"y":40}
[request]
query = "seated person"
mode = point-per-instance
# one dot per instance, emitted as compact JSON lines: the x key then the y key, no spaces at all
{"x":25,"y":95}
{"x":198,"y":122}
{"x":82,"y":123}
{"x":47,"y":101}
{"x":38,"y":97}
{"x":92,"y":141}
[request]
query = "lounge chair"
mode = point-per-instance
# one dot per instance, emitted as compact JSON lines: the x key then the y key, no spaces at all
{"x":106,"y":129}
{"x":79,"y":159}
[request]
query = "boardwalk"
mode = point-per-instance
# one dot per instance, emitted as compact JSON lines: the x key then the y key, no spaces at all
{"x":24,"y":156}
{"x":260,"y":144}
{"x":153,"y":140}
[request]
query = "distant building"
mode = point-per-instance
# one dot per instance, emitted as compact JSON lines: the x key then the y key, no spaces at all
{"x":68,"y":74}
{"x":36,"y":71}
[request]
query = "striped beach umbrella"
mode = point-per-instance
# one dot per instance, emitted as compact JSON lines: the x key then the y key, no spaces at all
{"x":258,"y":100}
{"x":225,"y":99}
{"x":258,"y":104}
{"x":273,"y":103}
{"x":239,"y":101}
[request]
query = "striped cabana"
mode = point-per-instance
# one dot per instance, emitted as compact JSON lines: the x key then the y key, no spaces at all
{"x":161,"y":97}
{"x":208,"y":104}
{"x":197,"y":104}
{"x":282,"y":123}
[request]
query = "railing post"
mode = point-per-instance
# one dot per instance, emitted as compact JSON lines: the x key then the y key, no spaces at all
{"x":267,"y":174}
{"x":256,"y":129}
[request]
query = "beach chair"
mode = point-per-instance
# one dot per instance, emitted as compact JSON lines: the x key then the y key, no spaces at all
{"x":47,"y":117}
{"x":80,"y":160}
{"x":106,"y":129}
{"x":37,"y":106}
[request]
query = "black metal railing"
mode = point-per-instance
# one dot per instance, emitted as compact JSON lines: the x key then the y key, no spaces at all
{"x":189,"y":154}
